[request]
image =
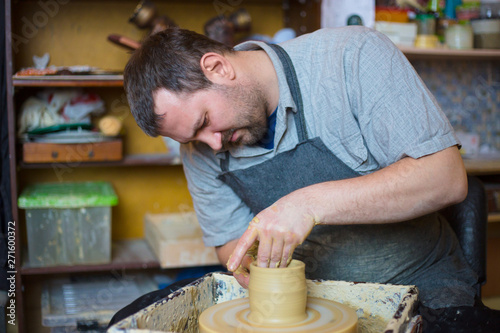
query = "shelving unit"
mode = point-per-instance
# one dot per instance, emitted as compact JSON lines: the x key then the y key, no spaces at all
{"x":473,"y":166}
{"x":494,"y":218}
{"x":69,"y":81}
{"x":482,"y":167}
{"x":126,"y":255}
{"x":69,"y":35}
{"x":129,"y":160}
{"x":446,"y":53}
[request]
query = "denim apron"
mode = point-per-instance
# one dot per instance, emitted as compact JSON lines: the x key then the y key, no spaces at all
{"x":423,"y":251}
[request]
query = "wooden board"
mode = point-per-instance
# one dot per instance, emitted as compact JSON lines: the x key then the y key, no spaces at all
{"x":34,"y":152}
{"x":176,"y":240}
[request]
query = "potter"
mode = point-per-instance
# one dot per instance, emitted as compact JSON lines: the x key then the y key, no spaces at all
{"x":329,"y":141}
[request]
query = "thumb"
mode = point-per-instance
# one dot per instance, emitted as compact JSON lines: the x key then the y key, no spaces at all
{"x":246,"y":241}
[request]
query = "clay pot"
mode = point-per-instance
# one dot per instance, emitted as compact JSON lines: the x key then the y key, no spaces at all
{"x":278,"y":296}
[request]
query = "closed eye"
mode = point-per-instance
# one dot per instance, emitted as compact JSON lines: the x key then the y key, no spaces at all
{"x":206,"y":122}
{"x":200,"y":125}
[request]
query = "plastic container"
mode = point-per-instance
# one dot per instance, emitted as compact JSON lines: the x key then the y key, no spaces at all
{"x":68,"y":223}
{"x":83,"y":303}
{"x":486,"y":33}
{"x":490,"y":9}
{"x":426,"y":41}
{"x":398,"y":33}
{"x":391,"y":14}
{"x":468,"y":10}
{"x":426,"y":24}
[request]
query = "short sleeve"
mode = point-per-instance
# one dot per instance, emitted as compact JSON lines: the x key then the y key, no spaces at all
{"x":221,"y":213}
{"x":397,"y":114}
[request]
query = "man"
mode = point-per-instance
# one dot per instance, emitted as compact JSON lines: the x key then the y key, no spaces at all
{"x":329,"y":148}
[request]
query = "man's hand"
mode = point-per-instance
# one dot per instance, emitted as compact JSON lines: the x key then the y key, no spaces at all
{"x":279,"y":229}
{"x":242,"y":273}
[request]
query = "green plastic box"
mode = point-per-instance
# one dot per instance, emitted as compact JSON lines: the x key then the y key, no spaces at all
{"x":68,"y":223}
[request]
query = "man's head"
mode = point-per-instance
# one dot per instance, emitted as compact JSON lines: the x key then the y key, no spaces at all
{"x":185,"y":86}
{"x":167,"y":60}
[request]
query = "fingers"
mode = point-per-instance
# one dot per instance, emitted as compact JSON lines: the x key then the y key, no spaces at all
{"x":276,"y":253}
{"x":242,"y":273}
{"x":245,"y":242}
{"x":264,"y":253}
{"x":242,"y":276}
{"x":277,"y":238}
{"x":247,"y":260}
{"x":286,"y":256}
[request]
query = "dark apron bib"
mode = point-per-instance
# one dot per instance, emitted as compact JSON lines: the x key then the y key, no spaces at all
{"x":383,"y":253}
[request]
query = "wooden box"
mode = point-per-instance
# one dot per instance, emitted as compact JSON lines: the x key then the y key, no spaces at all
{"x":176,"y":240}
{"x":35,"y":152}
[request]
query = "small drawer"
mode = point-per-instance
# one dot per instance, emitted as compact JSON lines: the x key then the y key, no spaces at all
{"x":34,"y":152}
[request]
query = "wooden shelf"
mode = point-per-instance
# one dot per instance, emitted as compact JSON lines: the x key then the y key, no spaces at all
{"x":443,"y":52}
{"x":117,"y":80}
{"x":493,"y":217}
{"x":482,"y":167}
{"x":126,"y":254}
{"x":129,"y":160}
{"x":68,"y":81}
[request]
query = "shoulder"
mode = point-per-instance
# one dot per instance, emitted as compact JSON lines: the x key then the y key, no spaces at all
{"x":344,"y":39}
{"x":199,"y":157}
{"x":348,"y":34}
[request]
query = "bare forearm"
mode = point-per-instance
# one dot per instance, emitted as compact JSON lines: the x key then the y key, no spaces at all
{"x":225,"y":251}
{"x":404,"y":190}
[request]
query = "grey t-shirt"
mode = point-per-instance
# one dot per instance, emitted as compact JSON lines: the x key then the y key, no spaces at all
{"x":361,"y":97}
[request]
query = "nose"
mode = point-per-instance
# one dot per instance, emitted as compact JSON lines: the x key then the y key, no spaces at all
{"x":213,"y":139}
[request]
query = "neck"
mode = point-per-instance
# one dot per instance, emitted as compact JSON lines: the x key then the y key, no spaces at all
{"x":259,"y":68}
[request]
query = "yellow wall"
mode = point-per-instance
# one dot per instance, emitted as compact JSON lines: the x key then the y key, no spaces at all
{"x":75,"y":33}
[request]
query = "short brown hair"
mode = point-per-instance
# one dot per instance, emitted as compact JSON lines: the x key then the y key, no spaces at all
{"x":169,"y":59}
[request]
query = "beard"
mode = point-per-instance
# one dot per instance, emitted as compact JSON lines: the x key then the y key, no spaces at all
{"x":251,"y":107}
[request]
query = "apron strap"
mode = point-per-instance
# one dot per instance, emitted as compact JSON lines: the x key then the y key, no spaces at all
{"x":224,"y":162}
{"x":293,"y":84}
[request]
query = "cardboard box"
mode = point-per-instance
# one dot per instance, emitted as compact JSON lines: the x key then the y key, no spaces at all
{"x":176,"y":240}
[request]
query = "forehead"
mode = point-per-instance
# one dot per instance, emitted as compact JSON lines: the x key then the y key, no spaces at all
{"x":180,"y":112}
{"x":172,"y":107}
{"x":164,"y":99}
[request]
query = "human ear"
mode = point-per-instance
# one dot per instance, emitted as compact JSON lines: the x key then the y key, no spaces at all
{"x":216,"y":67}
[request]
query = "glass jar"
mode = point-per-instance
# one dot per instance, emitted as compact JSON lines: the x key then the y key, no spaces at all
{"x":459,"y":37}
{"x":426,"y":24}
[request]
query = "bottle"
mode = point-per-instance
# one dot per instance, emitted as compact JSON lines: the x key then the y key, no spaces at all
{"x":436,"y":7}
{"x":449,"y":8}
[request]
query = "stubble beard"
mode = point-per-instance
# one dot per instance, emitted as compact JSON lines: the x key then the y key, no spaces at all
{"x":251,"y":105}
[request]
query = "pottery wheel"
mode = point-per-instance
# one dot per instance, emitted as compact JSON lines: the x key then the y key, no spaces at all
{"x":322,"y":316}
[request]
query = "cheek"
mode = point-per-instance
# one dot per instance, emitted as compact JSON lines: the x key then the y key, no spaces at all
{"x":222,"y":120}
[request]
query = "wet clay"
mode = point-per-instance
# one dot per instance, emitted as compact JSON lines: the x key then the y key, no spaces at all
{"x":278,"y":302}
